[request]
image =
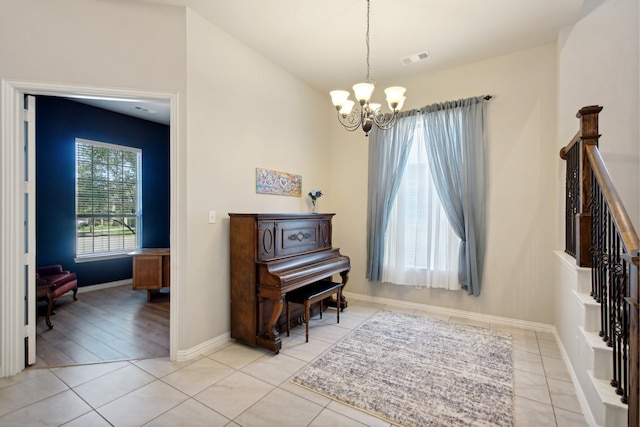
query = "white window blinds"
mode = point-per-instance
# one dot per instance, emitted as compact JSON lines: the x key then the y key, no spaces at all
{"x":108,"y":198}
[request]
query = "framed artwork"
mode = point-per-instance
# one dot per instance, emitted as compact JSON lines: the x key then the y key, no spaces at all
{"x":280,"y":183}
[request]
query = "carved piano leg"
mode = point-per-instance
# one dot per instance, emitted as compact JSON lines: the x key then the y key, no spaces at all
{"x":271,"y":339}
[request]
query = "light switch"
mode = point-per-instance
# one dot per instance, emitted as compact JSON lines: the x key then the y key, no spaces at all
{"x":212,"y":217}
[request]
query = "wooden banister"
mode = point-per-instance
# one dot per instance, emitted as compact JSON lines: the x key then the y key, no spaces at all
{"x":618,"y":211}
{"x":566,"y":149}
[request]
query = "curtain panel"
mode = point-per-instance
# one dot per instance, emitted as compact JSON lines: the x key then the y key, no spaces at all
{"x":454,"y":138}
{"x":388,"y":153}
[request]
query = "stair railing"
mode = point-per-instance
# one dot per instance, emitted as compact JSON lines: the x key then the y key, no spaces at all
{"x":600,"y":235}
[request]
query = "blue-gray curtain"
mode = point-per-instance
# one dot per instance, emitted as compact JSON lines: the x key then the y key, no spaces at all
{"x":455,"y":135}
{"x":388,"y":153}
{"x":455,"y":146}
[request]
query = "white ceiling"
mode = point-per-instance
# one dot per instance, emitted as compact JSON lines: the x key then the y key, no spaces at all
{"x":159,"y":112}
{"x":322,"y":42}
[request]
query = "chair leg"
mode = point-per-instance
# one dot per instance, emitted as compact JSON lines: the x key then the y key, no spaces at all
{"x":75,"y":292}
{"x":288,"y":318}
{"x":338,"y":305}
{"x":306,"y":319}
{"x":50,"y":302}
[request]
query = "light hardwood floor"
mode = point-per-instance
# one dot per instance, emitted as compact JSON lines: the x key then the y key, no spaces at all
{"x":103,"y":325}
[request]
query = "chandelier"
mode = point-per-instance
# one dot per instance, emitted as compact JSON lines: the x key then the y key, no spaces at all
{"x":369,"y":112}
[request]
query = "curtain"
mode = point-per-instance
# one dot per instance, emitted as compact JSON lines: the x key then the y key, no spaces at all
{"x":455,"y":135}
{"x":421,"y":248}
{"x":388,"y":152}
{"x":454,"y":142}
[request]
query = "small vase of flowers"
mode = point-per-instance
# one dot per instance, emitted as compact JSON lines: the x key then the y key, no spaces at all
{"x":314,"y":195}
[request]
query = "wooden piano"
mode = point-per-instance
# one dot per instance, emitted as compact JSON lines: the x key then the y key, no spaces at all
{"x":272,"y":254}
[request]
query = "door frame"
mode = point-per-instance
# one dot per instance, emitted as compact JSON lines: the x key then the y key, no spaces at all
{"x":12,"y":295}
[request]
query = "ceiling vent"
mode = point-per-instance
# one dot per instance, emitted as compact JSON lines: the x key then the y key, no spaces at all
{"x":416,"y":57}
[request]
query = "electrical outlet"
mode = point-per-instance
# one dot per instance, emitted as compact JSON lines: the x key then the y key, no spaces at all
{"x":212,"y":217}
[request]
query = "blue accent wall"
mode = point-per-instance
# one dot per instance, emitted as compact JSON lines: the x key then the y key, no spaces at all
{"x":59,"y":122}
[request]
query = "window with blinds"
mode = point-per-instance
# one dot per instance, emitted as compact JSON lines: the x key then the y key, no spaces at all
{"x":108,"y":199}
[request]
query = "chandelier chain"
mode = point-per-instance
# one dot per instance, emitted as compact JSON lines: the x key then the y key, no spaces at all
{"x":367,"y":40}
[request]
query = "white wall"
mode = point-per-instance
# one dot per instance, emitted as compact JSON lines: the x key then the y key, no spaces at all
{"x":236,"y":112}
{"x":243,"y":112}
{"x":521,"y":148}
{"x":117,"y":46}
{"x":230,"y":125}
{"x":112,"y":44}
{"x":598,"y":63}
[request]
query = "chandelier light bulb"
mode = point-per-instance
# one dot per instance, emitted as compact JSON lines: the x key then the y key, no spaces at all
{"x":374,"y":107}
{"x":346,"y":108}
{"x":363,"y":92}
{"x":395,"y":95}
{"x":339,"y":97}
{"x":400,"y":104}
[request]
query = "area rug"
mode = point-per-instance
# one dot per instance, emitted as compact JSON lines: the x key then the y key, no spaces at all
{"x":415,"y":371}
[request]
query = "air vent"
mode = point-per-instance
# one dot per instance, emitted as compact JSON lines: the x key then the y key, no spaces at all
{"x":416,"y":57}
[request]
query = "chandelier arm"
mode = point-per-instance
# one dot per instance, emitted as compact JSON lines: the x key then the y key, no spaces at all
{"x":381,"y":119}
{"x":385,"y":121}
{"x":352,"y":121}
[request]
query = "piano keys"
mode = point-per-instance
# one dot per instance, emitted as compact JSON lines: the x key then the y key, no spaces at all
{"x":272,"y":254}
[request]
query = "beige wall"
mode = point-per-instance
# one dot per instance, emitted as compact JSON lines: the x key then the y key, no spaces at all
{"x":598,"y":64}
{"x":229,"y":125}
{"x":112,"y":44}
{"x":537,"y":93}
{"x":227,"y":122}
{"x":521,"y":150}
{"x":243,"y":112}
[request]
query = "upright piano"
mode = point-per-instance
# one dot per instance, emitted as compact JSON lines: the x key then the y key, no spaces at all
{"x":272,"y":254}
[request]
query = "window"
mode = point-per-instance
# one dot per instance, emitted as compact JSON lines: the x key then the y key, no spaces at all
{"x":108,"y":199}
{"x":421,"y":248}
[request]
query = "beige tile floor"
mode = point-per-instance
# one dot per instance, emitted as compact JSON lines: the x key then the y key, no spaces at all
{"x":237,"y":385}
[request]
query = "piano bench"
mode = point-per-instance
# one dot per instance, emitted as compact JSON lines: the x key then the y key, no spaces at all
{"x":310,"y":294}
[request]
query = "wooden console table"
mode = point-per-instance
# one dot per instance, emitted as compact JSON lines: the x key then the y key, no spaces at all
{"x":151,"y":269}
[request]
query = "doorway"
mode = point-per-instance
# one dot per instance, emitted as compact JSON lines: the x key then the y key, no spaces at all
{"x":14,"y":316}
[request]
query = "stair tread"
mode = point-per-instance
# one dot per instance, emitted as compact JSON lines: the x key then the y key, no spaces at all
{"x":607,"y":393}
{"x":594,"y":340}
{"x":586,"y":299}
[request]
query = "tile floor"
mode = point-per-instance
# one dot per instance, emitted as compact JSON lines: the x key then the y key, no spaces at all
{"x":237,"y":385}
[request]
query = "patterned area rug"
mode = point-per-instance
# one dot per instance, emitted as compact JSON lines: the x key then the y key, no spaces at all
{"x":416,"y":371}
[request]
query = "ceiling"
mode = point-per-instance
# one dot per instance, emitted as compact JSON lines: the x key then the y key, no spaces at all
{"x":159,"y":112}
{"x":322,"y":42}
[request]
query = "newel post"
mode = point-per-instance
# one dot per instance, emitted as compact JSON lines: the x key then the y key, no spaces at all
{"x":588,"y":136}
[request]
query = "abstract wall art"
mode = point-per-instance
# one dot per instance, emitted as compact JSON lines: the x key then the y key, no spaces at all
{"x":280,"y":183}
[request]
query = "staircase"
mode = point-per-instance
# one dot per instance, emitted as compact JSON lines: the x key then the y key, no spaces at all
{"x":598,"y":285}
{"x":590,"y":359}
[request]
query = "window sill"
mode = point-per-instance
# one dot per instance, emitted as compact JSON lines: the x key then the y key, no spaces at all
{"x":101,"y":257}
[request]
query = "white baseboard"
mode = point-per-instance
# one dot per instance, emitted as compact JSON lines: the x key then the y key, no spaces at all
{"x":582,"y":399}
{"x":203,"y":348}
{"x":83,"y":289}
{"x":542,"y":327}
